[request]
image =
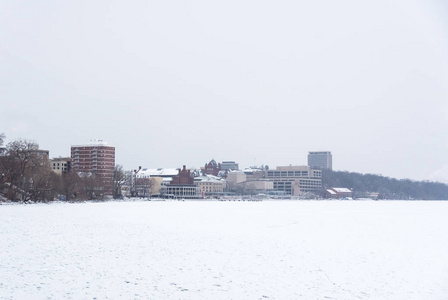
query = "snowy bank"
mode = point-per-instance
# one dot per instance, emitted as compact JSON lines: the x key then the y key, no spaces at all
{"x":225,"y":250}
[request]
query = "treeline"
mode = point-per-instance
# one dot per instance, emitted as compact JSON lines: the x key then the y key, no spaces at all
{"x":25,"y":175}
{"x":388,"y":188}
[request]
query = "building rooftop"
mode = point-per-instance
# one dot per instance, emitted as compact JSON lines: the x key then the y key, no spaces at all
{"x":160,"y":172}
{"x":208,"y":178}
{"x":319,"y":152}
{"x":341,"y":190}
{"x":94,"y":143}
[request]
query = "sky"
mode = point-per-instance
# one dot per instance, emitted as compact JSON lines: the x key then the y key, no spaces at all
{"x":172,"y":83}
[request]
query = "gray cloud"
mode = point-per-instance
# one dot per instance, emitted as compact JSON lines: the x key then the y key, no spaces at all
{"x":172,"y":83}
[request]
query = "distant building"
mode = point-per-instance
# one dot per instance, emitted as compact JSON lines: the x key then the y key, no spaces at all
{"x":183,"y":177}
{"x":210,"y":185}
{"x":61,"y":165}
{"x":182,"y":186}
{"x":320,"y":159}
{"x":339,"y":193}
{"x":166,"y":174}
{"x":229,"y":165}
{"x":235,"y":177}
{"x":212,"y":168}
{"x":253,"y":173}
{"x":95,"y":158}
{"x":182,"y":191}
{"x":295,"y":180}
{"x":148,"y":182}
{"x":249,"y":181}
{"x":256,"y":186}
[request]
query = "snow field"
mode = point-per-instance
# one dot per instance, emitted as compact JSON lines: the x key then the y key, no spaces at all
{"x":225,"y":250}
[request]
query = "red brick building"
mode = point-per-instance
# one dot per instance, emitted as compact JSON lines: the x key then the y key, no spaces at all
{"x":184,"y":177}
{"x":212,"y":168}
{"x":95,"y":158}
{"x":182,"y":186}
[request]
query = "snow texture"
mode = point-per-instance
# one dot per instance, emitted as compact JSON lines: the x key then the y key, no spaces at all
{"x":225,"y":250}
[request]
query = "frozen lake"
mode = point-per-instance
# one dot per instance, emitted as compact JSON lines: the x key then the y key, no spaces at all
{"x":225,"y":250}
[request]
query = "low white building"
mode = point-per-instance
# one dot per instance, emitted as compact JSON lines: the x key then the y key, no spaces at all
{"x":210,"y":185}
{"x":151,"y":182}
{"x":235,"y":177}
{"x":256,"y":186}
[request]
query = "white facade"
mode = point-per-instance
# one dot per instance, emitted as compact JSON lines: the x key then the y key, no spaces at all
{"x":257,"y":186}
{"x":295,"y":180}
{"x":209,"y":184}
{"x":235,"y":177}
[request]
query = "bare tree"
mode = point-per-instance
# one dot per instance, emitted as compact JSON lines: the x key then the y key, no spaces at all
{"x":43,"y":185}
{"x":118,"y":179}
{"x":26,"y":173}
{"x":70,"y":185}
{"x":143,"y":186}
{"x":22,"y":165}
{"x":92,"y":186}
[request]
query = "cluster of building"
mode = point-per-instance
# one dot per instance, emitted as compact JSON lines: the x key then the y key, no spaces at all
{"x":97,"y":158}
{"x":213,"y":180}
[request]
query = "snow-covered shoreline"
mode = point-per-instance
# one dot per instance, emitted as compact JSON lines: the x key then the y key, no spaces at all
{"x":9,"y":202}
{"x":225,"y":250}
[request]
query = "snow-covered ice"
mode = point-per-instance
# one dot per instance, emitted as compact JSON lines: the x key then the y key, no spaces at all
{"x":225,"y":250}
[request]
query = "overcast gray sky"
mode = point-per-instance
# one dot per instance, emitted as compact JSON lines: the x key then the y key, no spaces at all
{"x":258,"y":82}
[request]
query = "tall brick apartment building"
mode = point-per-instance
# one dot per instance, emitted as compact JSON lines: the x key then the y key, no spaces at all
{"x":95,"y":158}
